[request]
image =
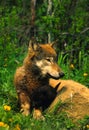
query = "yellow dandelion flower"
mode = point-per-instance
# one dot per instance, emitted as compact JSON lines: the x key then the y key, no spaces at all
{"x":72,"y":66}
{"x":1,"y":124}
{"x":85,"y":74}
{"x":7,"y":108}
{"x":87,"y":126}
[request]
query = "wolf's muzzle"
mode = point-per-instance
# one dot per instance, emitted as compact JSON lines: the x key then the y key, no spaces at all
{"x":61,"y":74}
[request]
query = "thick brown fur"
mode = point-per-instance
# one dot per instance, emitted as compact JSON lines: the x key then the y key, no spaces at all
{"x":38,"y":66}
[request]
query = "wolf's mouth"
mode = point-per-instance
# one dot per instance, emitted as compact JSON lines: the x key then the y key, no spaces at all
{"x":56,"y":77}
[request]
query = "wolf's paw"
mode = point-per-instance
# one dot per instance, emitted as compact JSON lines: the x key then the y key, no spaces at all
{"x":25,"y":109}
{"x":37,"y":114}
{"x":25,"y":112}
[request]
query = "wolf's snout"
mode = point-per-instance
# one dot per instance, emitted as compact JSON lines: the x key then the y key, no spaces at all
{"x":61,"y":74}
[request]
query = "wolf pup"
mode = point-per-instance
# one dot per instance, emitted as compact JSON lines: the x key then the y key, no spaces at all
{"x":38,"y":67}
{"x":43,"y":96}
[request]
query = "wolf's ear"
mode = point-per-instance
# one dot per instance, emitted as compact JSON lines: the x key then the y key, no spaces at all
{"x":33,"y":45}
{"x":54,"y":44}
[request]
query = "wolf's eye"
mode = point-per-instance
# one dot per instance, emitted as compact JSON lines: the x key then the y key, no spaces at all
{"x":49,"y":59}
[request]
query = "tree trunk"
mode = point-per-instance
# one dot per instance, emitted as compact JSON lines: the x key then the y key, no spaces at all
{"x":33,"y":15}
{"x":49,"y":12}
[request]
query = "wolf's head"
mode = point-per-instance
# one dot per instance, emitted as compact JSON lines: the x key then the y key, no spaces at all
{"x":45,"y":59}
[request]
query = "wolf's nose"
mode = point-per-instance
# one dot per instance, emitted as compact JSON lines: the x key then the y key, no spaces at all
{"x":62,"y":74}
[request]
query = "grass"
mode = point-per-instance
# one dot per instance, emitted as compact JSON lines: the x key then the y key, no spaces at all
{"x":76,"y":70}
{"x":12,"y":119}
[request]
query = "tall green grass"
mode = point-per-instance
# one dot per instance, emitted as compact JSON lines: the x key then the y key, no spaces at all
{"x":76,"y":70}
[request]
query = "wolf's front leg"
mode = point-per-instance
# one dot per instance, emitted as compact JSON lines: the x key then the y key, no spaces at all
{"x":24,"y":103}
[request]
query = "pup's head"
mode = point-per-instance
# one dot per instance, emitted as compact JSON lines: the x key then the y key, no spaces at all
{"x":45,"y":58}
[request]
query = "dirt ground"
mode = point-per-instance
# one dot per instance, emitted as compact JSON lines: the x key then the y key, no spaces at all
{"x":74,"y":98}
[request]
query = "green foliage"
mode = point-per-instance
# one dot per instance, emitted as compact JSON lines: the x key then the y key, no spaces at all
{"x":76,"y":70}
{"x":84,"y":123}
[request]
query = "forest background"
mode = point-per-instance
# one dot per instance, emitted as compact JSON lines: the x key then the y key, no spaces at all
{"x":66,"y":21}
